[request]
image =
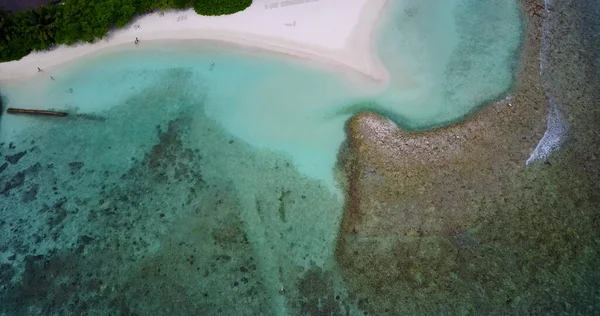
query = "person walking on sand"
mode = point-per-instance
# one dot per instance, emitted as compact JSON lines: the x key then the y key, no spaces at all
{"x":137,"y":40}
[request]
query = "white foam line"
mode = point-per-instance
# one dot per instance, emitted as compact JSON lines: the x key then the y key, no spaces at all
{"x":556,"y":128}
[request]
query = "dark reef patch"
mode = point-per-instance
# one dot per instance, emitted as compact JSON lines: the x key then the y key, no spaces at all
{"x":31,"y":193}
{"x":75,"y":166}
{"x":316,"y":295}
{"x":13,"y":159}
{"x":15,"y":182}
{"x":153,"y":238}
{"x":54,"y":284}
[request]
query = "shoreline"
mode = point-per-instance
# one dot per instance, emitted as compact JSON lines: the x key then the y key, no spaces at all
{"x":347,"y":49}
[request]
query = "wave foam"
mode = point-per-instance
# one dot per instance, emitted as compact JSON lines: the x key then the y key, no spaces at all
{"x":556,"y":130}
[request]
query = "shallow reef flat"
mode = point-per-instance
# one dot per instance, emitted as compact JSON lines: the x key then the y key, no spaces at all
{"x":452,"y":221}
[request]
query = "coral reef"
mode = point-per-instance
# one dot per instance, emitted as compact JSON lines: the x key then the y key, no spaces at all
{"x":453,"y":221}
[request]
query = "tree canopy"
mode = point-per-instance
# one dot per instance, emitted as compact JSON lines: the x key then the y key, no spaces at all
{"x":72,"y":21}
{"x":220,"y":7}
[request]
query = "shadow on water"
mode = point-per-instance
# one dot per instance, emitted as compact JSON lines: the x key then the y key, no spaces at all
{"x":88,"y":117}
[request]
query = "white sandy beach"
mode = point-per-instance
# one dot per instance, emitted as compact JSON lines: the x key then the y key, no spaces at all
{"x":331,"y":32}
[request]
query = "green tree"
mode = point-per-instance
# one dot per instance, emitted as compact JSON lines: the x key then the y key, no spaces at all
{"x":43,"y":26}
{"x":126,"y":13}
{"x":182,"y":4}
{"x":6,"y":26}
{"x":220,"y":7}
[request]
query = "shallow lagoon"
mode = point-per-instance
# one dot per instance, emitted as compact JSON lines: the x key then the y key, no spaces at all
{"x":440,"y":72}
{"x":193,"y":188}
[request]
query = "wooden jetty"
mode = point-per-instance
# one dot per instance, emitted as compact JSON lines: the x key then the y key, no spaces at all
{"x":35,"y":112}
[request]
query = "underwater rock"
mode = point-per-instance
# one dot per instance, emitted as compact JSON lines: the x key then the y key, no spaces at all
{"x":75,"y":166}
{"x":6,"y":273}
{"x":33,"y":169}
{"x":13,"y":159}
{"x":31,"y":194}
{"x":16,"y":182}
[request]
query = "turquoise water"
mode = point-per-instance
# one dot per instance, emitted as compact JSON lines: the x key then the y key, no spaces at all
{"x":270,"y":104}
{"x":174,"y":188}
{"x":443,"y":71}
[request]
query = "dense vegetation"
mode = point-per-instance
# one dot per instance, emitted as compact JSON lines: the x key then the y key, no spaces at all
{"x":220,"y":7}
{"x":72,"y":21}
